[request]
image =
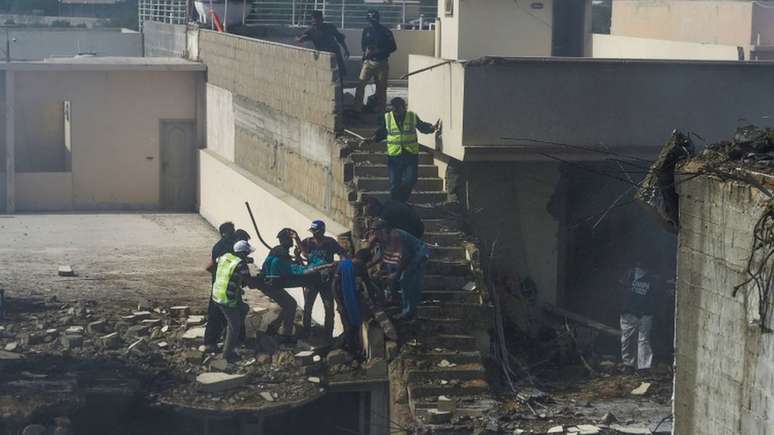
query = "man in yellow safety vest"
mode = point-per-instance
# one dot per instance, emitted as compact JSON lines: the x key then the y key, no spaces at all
{"x":400,"y":129}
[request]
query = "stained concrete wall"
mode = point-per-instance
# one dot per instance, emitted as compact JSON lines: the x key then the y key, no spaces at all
{"x":165,"y":40}
{"x":726,"y":22}
{"x":523,"y":108}
{"x":44,"y":191}
{"x":280,"y":103}
{"x":41,"y":43}
{"x":628,"y":47}
{"x":115,"y":117}
{"x":724,"y":382}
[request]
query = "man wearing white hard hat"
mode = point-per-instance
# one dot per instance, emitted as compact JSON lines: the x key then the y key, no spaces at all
{"x":231,"y":276}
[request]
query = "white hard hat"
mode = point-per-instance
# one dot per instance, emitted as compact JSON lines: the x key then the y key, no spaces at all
{"x":242,"y":246}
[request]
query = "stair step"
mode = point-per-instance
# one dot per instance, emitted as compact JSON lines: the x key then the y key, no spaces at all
{"x":451,"y":296}
{"x":448,"y":211}
{"x":380,"y":158}
{"x":453,"y":356}
{"x":468,"y":388}
{"x":440,"y":326}
{"x":445,"y":267}
{"x":445,"y":282}
{"x":453,"y":310}
{"x":450,"y":341}
{"x":449,"y":238}
{"x":437,"y":225}
{"x":366,"y":184}
{"x":423,"y":171}
{"x":417,"y":197}
{"x":461,"y":372}
{"x":453,"y":253}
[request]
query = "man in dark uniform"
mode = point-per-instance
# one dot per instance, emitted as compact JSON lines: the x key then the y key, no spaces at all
{"x":215,"y":320}
{"x":326,"y":37}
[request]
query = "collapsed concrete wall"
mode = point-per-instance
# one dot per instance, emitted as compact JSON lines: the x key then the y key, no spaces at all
{"x":725,"y":362}
{"x":272,"y":110}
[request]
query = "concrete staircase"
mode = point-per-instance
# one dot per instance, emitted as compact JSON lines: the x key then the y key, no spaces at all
{"x":440,"y":356}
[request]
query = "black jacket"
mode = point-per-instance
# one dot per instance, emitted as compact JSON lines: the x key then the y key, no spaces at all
{"x":379,"y":37}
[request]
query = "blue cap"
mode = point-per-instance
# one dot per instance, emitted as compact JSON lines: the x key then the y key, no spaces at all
{"x":317,"y":226}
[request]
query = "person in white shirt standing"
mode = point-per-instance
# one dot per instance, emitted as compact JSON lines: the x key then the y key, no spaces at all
{"x":639,"y":288}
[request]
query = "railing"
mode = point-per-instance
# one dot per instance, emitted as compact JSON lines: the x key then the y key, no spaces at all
{"x":408,"y":14}
{"x":163,"y":11}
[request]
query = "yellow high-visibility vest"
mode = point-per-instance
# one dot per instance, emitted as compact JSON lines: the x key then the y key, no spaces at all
{"x":400,"y":140}
{"x":227,"y":264}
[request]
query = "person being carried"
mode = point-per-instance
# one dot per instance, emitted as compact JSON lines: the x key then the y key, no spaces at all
{"x":399,"y":127}
{"x":639,"y":288}
{"x":353,"y":305}
{"x":231,"y":275}
{"x":397,"y":214}
{"x":319,"y":250}
{"x":410,"y":255}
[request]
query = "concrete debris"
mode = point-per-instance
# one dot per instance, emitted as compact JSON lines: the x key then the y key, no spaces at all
{"x":193,"y":356}
{"x":519,"y":431}
{"x":110,"y":341}
{"x":137,"y":347}
{"x":338,"y":356}
{"x":630,"y":430}
{"x":137,"y":331}
{"x":446,"y":364}
{"x":34,"y":429}
{"x":588,"y":429}
{"x":436,"y":416}
{"x":642,"y":389}
{"x":8,"y":356}
{"x":141,"y":315}
{"x":96,"y":327}
{"x":164,"y":329}
{"x":215,"y":382}
{"x":71,"y":341}
{"x":608,"y":418}
{"x":151,"y":322}
{"x":314,"y":379}
{"x":194,"y":334}
{"x":263,"y":359}
{"x":267,"y":396}
{"x":219,"y":364}
{"x":74,"y":330}
{"x":162,"y":344}
{"x":376,"y":368}
{"x":282,"y":359}
{"x":446,"y":404}
{"x":312,"y":369}
{"x":194,"y":321}
{"x":179,"y":311}
{"x":129,"y":319}
{"x":32,"y":339}
{"x":470,"y":286}
{"x":65,"y":271}
{"x":12,"y":346}
{"x":556,"y":429}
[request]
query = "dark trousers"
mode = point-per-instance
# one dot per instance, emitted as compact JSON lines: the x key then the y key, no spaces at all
{"x":403,"y":175}
{"x":235,"y":321}
{"x":216,"y":324}
{"x":310,"y":295}
{"x":288,"y":313}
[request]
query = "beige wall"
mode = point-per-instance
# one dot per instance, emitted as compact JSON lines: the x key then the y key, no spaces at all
{"x":726,"y":22}
{"x":763,"y":24}
{"x":115,"y":130}
{"x":628,"y":47}
{"x":496,"y":28}
{"x":438,"y":94}
{"x":44,"y":191}
{"x":220,"y":122}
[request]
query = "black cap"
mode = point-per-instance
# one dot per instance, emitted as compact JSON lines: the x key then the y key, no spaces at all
{"x":285,"y":233}
{"x":372,"y":15}
{"x":317,"y":14}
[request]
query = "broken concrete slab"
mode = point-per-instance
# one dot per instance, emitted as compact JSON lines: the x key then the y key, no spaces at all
{"x":267,"y":396}
{"x":194,"y":334}
{"x":9,"y":356}
{"x":74,"y":330}
{"x":162,"y":344}
{"x":630,"y":430}
{"x":219,"y":364}
{"x":97,"y":326}
{"x":642,"y":389}
{"x":65,"y":270}
{"x":151,"y":322}
{"x":304,"y":358}
{"x":194,"y":321}
{"x":215,"y":382}
{"x":141,"y":315}
{"x":588,"y":429}
{"x":179,"y":311}
{"x":556,"y":429}
{"x":12,"y":346}
{"x":193,"y":356}
{"x":436,"y":416}
{"x":314,"y":379}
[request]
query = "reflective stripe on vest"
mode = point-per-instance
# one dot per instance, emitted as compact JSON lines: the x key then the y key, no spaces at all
{"x":399,"y":140}
{"x":227,"y":264}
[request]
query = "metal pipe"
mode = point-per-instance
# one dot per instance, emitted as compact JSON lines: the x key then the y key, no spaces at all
{"x":225,"y":17}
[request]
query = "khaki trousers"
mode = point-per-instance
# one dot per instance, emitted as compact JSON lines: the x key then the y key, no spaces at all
{"x":378,"y":70}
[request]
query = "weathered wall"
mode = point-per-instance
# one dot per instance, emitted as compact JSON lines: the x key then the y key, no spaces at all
{"x":724,"y":380}
{"x":40,"y":43}
{"x":627,"y":105}
{"x":726,"y":22}
{"x":629,"y":47}
{"x":280,"y":103}
{"x":44,"y":191}
{"x":115,"y":120}
{"x":162,"y":39}
{"x":762,"y":24}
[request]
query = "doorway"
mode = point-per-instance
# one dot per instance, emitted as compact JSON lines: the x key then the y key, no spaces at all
{"x":178,"y":165}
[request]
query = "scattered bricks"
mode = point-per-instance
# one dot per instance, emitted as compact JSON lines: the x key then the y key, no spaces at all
{"x":151,"y":322}
{"x":216,"y":382}
{"x":194,"y":320}
{"x":446,"y":404}
{"x":265,"y":395}
{"x":137,"y":331}
{"x":193,"y":356}
{"x":12,"y":346}
{"x":71,"y":341}
{"x":304,"y":358}
{"x":338,"y":356}
{"x":32,"y":339}
{"x":65,"y":271}
{"x":96,"y":327}
{"x":194,"y":334}
{"x":110,"y":341}
{"x":141,"y":315}
{"x":376,"y":368}
{"x":74,"y":330}
{"x":219,"y":364}
{"x":436,"y":416}
{"x":179,"y":311}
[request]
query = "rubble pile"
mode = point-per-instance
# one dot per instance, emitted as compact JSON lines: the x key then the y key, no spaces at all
{"x":750,"y":145}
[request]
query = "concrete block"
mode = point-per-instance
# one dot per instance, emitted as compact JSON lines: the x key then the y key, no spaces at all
{"x":179,"y":311}
{"x":71,"y":341}
{"x":195,"y":334}
{"x":136,"y":331}
{"x":65,"y":271}
{"x":74,"y":330}
{"x":216,"y":382}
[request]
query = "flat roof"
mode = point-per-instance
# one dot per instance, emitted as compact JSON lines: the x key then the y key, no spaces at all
{"x":106,"y":63}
